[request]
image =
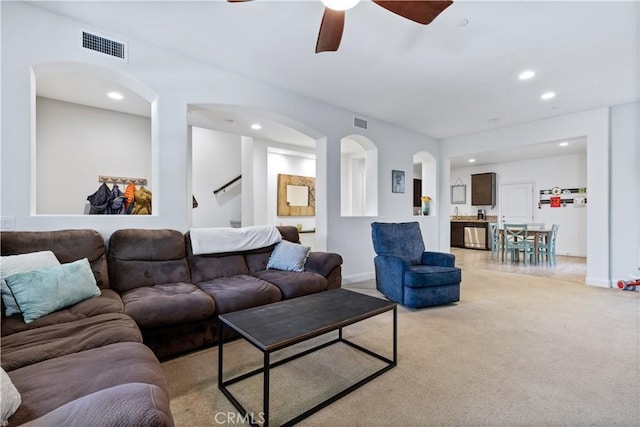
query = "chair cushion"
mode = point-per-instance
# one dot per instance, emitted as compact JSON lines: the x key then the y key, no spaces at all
{"x":294,"y":284}
{"x":403,"y":240}
{"x":420,"y":276}
{"x":168,"y":304}
{"x":240,"y":292}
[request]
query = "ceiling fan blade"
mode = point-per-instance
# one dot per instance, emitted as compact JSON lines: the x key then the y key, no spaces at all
{"x":237,"y":1}
{"x":420,"y":11}
{"x":331,"y":29}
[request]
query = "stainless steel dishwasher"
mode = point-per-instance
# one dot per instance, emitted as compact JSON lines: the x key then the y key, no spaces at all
{"x":475,"y":237}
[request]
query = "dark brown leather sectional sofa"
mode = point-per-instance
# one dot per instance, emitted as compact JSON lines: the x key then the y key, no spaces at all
{"x":157,"y":300}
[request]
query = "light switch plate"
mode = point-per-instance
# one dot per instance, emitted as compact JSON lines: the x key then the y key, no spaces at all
{"x":7,"y":223}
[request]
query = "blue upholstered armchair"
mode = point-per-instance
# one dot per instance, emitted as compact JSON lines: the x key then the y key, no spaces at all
{"x":408,"y":275}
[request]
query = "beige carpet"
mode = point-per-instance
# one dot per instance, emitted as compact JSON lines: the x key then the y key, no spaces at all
{"x":515,"y":351}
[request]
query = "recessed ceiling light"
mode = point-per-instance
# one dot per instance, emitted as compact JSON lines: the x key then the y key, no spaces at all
{"x":472,"y":160}
{"x":548,"y":95}
{"x":526,"y":75}
{"x":115,"y":95}
{"x":256,"y":126}
{"x":563,"y":144}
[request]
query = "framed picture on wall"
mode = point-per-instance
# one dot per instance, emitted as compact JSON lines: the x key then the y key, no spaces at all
{"x":397,"y":181}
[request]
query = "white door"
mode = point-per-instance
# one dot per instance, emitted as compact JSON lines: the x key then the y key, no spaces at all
{"x":516,"y":203}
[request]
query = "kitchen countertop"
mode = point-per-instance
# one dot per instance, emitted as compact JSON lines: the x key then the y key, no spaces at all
{"x":468,"y":218}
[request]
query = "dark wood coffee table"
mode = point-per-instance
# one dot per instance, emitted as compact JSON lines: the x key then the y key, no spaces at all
{"x":279,"y":325}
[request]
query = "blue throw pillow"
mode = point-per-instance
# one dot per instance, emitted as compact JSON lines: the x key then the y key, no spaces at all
{"x":288,"y":256}
{"x":43,"y":291}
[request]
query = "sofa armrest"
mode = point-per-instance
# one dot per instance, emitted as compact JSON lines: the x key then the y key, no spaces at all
{"x":132,"y":404}
{"x":322,"y":262}
{"x":440,"y":259}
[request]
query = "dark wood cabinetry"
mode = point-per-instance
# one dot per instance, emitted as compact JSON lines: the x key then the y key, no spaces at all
{"x":417,"y":193}
{"x":457,"y":234}
{"x":470,"y":235}
{"x":483,"y":189}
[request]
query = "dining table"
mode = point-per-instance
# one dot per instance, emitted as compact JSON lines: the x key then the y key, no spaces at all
{"x":537,"y":234}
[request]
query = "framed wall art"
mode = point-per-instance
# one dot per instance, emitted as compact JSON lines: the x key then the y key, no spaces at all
{"x":397,"y":181}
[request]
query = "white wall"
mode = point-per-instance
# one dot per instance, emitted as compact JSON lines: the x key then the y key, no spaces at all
{"x":278,"y":163}
{"x":171,"y":82}
{"x":625,"y":191}
{"x":568,"y":171}
{"x":216,"y":160}
{"x":76,"y":143}
{"x":595,"y":126}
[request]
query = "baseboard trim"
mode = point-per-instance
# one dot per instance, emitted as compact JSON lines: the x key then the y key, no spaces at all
{"x":602,"y":283}
{"x":347,"y":280}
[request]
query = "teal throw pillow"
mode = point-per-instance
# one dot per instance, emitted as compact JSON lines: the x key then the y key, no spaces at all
{"x":43,"y":291}
{"x":288,"y":256}
{"x":12,"y":264}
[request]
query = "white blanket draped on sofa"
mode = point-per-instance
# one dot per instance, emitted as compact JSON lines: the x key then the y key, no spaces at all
{"x":226,"y":239}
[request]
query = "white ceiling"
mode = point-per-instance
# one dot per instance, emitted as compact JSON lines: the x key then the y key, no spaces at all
{"x":533,"y":151}
{"x":442,"y":80}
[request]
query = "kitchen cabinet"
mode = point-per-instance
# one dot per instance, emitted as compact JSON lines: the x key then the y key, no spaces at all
{"x":483,"y":189}
{"x":417,"y":193}
{"x":470,"y":234}
{"x":457,"y":234}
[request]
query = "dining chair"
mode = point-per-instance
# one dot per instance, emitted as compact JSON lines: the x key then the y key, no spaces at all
{"x":494,"y":240}
{"x":534,"y":226}
{"x":515,"y":241}
{"x":547,"y":248}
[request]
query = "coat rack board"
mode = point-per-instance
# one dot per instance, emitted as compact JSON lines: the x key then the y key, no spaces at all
{"x":121,"y":180}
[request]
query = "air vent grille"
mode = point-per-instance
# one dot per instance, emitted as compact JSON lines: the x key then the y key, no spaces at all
{"x":103,"y":45}
{"x":359,"y":123}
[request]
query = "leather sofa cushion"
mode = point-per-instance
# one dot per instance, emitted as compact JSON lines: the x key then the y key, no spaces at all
{"x":47,"y":385}
{"x":240,"y":292}
{"x":67,"y":245}
{"x":108,"y":302}
{"x":206,"y":267}
{"x":128,"y":275}
{"x":35,"y":345}
{"x":258,"y":261}
{"x":139,"y":257}
{"x":421,"y":276}
{"x":168,"y":304}
{"x":294,"y":284}
{"x":133,"y":404}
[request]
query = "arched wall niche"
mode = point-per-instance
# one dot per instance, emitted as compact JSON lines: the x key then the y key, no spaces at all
{"x":80,"y":134}
{"x":358,"y":176}
{"x":224,"y":146}
{"x":425,"y":182}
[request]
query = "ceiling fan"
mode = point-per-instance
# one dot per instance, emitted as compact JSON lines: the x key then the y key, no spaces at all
{"x":332,"y":25}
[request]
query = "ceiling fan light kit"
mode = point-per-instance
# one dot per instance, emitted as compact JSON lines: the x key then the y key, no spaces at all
{"x":332,"y":25}
{"x":340,"y":4}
